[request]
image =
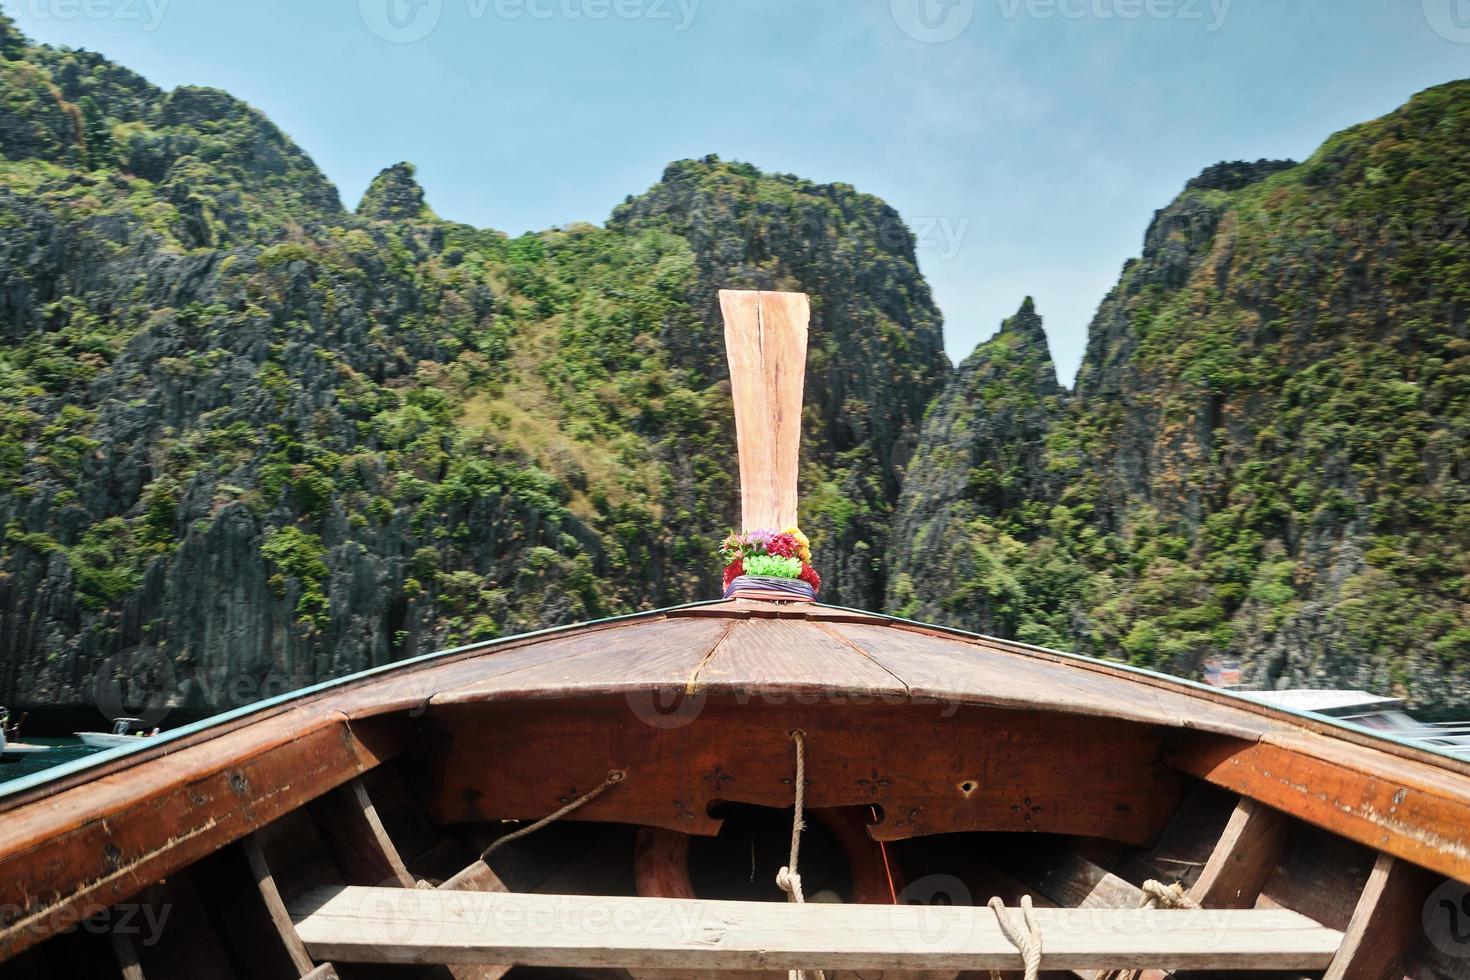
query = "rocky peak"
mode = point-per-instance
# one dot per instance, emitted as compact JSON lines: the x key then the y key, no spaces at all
{"x":1232,"y":175}
{"x":394,"y":195}
{"x":980,"y":459}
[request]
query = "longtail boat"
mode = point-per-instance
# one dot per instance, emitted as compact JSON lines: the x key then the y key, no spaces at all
{"x":754,"y":786}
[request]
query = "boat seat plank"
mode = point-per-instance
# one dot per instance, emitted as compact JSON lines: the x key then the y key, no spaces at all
{"x":376,"y":925}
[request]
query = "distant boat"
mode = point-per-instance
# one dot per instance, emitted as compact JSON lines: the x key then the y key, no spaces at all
{"x":10,"y":749}
{"x":125,"y":731}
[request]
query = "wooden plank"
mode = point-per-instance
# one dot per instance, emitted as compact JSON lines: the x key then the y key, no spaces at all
{"x":988,"y":769}
{"x":765,"y":341}
{"x":356,"y":839}
{"x":1387,"y":927}
{"x":1243,"y":858}
{"x":954,"y":669}
{"x":324,"y":972}
{"x":1071,"y":881}
{"x":795,"y":657}
{"x":661,"y":653}
{"x":389,"y":926}
{"x":1407,"y":810}
{"x":89,"y":848}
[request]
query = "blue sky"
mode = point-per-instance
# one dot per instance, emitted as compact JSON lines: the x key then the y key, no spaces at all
{"x":1027,"y":141}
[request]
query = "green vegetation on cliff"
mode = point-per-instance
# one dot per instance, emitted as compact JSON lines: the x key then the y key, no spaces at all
{"x":1265,"y":457}
{"x":284,"y":441}
{"x":277,"y":439}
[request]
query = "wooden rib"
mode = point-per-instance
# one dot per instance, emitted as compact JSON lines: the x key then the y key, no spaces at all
{"x":1242,"y":860}
{"x":127,"y":956}
{"x":1386,"y":926}
{"x":270,"y":897}
{"x":324,"y":972}
{"x":91,"y":847}
{"x":372,"y":925}
{"x":765,"y":341}
{"x":478,"y":877}
{"x":356,"y":839}
{"x":1415,"y":812}
{"x":249,"y":917}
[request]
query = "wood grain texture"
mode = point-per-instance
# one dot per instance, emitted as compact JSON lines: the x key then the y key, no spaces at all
{"x":1418,"y":813}
{"x":356,"y":840}
{"x":1386,"y":927}
{"x":379,"y":925}
{"x":92,"y":847}
{"x":765,"y":342}
{"x":929,"y":768}
{"x":1243,"y":858}
{"x":1068,"y":879}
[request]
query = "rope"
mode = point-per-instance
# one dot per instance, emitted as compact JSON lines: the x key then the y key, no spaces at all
{"x":1156,"y":895}
{"x":613,"y":778}
{"x":1028,"y":942}
{"x":787,"y":879}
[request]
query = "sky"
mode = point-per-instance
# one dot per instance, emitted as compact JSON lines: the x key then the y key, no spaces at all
{"x":1026,"y":142}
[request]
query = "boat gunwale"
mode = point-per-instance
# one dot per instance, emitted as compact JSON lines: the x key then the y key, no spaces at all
{"x":19,"y":792}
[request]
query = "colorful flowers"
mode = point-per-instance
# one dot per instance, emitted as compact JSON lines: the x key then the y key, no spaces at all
{"x":770,"y":554}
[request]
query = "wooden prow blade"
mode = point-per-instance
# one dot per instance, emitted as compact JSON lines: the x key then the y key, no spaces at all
{"x":765,"y":339}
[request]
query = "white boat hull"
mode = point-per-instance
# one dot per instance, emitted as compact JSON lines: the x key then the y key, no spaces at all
{"x":104,"y":740}
{"x":21,"y":748}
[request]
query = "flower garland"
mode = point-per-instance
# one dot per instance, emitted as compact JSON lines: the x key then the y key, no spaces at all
{"x":769,"y":554}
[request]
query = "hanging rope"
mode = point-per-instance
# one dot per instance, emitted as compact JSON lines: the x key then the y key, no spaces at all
{"x":787,"y":879}
{"x":1027,"y":941}
{"x":613,"y":778}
